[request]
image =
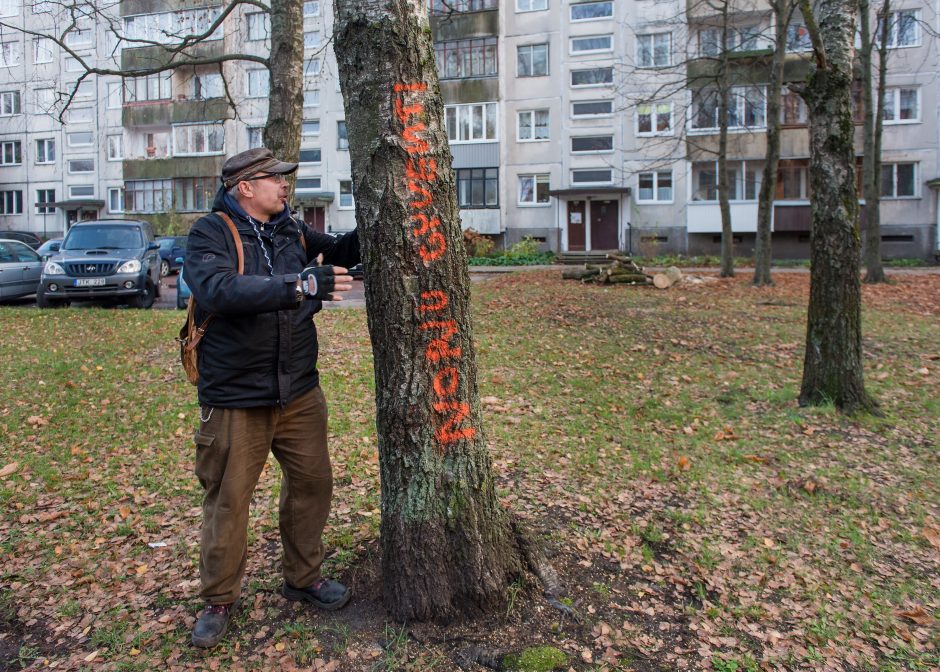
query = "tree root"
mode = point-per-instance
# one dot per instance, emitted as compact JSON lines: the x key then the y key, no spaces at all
{"x":534,"y":554}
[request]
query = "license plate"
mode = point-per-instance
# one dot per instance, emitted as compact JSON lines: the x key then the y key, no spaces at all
{"x":89,"y":282}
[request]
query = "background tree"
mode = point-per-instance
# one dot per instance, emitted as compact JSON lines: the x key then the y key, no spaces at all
{"x":832,"y":367}
{"x":448,"y":546}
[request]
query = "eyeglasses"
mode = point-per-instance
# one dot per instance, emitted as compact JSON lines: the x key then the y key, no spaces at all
{"x":276,"y":177}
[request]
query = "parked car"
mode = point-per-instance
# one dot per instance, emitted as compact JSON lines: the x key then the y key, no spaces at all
{"x":20,"y":268}
{"x":113,"y":259}
{"x":171,"y":249}
{"x":48,"y":248}
{"x":356,"y":272}
{"x":27,"y":237}
{"x":182,"y":289}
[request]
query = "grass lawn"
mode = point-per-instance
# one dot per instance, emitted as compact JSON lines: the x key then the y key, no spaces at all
{"x":698,"y":517}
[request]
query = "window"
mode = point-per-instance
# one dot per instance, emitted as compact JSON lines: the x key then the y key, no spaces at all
{"x":208,"y":85}
{"x":115,"y":95}
{"x":793,"y":180}
{"x":792,"y":109}
{"x":77,"y":166}
{"x":312,"y":67}
{"x":193,"y":194}
{"x":84,"y":89}
{"x":310,"y":127}
{"x":477,"y":188}
{"x":11,"y":153}
{"x":743,"y":180}
{"x":312,"y":8}
{"x":592,"y":144}
{"x":740,"y":38}
{"x":78,"y":39}
{"x":591,"y":11}
{"x":654,"y":119}
{"x":73,"y":64}
{"x":592,"y":108}
{"x":312,"y":98}
{"x":259,"y":83}
{"x":654,"y":187}
{"x":312,"y":39}
{"x":9,"y":7}
{"x":313,"y":155}
{"x":9,"y":103}
{"x":531,"y":5}
{"x":81,"y":191}
{"x":168,"y":27}
{"x":115,"y":147}
{"x":342,"y":136}
{"x":461,"y":6}
{"x":259,"y":25}
{"x":80,"y":139}
{"x":45,"y":100}
{"x":533,"y":189}
{"x":903,"y":28}
{"x":148,"y":195}
{"x":11,"y":53}
{"x":460,"y":59}
{"x":45,"y":196}
{"x":592,"y":176}
{"x":42,"y":50}
{"x":798,"y":37}
{"x":198,"y":139}
{"x":309,"y":183}
{"x":11,"y":202}
{"x":116,"y":199}
{"x":45,"y":150}
{"x":532,"y":60}
{"x":654,"y":50}
{"x":593,"y":44}
{"x":746,"y":108}
{"x":899,"y":180}
{"x":592,"y":77}
{"x":533,"y":125}
{"x":902,"y":106}
{"x":345,"y":195}
{"x":255,"y":137}
{"x":151,"y":87}
{"x":471,"y":123}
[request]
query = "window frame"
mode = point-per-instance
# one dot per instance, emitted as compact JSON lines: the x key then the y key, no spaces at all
{"x":591,"y":116}
{"x":583,"y":52}
{"x":265,"y":74}
{"x":652,"y":50}
{"x":739,"y":180}
{"x":591,"y":18}
{"x":488,"y":59}
{"x":70,"y":171}
{"x":895,"y":93}
{"x":533,"y":126}
{"x":120,"y":146}
{"x":16,"y":50}
{"x":654,"y":120}
{"x":175,"y":128}
{"x":48,"y":196}
{"x":461,"y":178}
{"x":531,"y":52}
{"x":893,"y":165}
{"x":11,"y":100}
{"x":466,"y":112}
{"x":16,"y":153}
{"x":531,"y":8}
{"x":111,"y":192}
{"x":591,"y":170}
{"x":537,"y":179}
{"x":47,"y":144}
{"x":582,"y":152}
{"x":592,"y":85}
{"x":739,"y":99}
{"x":656,"y":187}
{"x":13,"y":198}
{"x":341,"y":194}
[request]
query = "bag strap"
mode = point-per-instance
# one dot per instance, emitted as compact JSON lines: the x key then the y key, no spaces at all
{"x":197,"y":332}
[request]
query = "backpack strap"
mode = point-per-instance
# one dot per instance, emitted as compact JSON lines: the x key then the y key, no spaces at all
{"x":239,"y":250}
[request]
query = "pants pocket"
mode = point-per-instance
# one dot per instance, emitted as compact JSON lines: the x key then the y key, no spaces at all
{"x":211,"y":457}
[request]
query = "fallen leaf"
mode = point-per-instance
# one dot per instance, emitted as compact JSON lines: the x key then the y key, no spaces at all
{"x":142,"y":569}
{"x":9,"y":469}
{"x":931,"y":535}
{"x":280,"y":646}
{"x":91,"y":656}
{"x":684,"y":464}
{"x":917,"y":614}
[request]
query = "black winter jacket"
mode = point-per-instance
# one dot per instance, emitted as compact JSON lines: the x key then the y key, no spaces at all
{"x":261,"y":347}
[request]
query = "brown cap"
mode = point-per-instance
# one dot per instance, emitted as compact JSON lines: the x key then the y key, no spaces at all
{"x":251,"y":162}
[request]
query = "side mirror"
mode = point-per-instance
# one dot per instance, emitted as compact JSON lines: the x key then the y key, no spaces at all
{"x":54,"y":247}
{"x":153,"y":246}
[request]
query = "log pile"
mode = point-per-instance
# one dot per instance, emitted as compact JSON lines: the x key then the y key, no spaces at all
{"x":621,"y":270}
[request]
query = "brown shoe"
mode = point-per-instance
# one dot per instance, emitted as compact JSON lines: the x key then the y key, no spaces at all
{"x":212,"y":625}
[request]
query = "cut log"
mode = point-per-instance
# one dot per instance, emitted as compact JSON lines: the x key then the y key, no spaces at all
{"x":578,"y":273}
{"x":629,"y":278}
{"x":674,"y":274}
{"x":662,"y":281}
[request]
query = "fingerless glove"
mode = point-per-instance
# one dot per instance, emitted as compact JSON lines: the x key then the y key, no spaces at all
{"x":318,"y":282}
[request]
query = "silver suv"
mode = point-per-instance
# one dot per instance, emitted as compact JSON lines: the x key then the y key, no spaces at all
{"x":114,"y":259}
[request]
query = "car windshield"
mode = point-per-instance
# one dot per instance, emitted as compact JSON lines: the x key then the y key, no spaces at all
{"x":102,"y":238}
{"x":166,"y":243}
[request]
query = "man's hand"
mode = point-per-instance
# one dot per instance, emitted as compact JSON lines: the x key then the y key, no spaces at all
{"x":322,"y":282}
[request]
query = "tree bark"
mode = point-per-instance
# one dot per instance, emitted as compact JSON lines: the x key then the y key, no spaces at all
{"x":768,"y":186}
{"x":285,"y":105}
{"x":832,"y":368}
{"x":447,"y":544}
{"x":873,"y":128}
{"x":724,"y":97}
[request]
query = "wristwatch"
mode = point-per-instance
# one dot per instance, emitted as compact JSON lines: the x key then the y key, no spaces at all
{"x":298,"y":292}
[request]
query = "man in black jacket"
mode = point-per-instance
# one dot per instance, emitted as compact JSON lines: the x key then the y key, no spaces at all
{"x":258,"y":381}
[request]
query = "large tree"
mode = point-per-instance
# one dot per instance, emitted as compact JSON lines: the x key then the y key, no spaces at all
{"x":832,"y":367}
{"x":448,"y":547}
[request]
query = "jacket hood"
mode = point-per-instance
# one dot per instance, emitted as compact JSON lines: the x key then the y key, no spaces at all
{"x":223,"y":204}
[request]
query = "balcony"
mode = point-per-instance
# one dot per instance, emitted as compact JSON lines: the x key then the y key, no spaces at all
{"x":180,"y":111}
{"x":182,"y":166}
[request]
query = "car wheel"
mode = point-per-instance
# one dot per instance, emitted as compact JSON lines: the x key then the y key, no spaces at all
{"x":164,"y":268}
{"x":43,"y":300}
{"x":145,"y":299}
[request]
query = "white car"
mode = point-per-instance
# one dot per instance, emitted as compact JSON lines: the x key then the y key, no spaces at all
{"x":20,"y":268}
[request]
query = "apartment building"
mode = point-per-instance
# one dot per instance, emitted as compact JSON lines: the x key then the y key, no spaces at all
{"x":587,"y":125}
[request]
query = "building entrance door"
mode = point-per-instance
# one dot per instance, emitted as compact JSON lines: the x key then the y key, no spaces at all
{"x":604,"y":225}
{"x":315,"y":218}
{"x":576,"y":228}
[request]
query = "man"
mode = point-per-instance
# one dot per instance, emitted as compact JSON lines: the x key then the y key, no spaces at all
{"x":258,"y":381}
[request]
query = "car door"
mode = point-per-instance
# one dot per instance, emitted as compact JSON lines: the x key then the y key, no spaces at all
{"x":11,"y":275}
{"x":31,"y":265}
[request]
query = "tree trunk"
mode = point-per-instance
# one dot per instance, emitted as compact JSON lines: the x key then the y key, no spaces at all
{"x":768,"y":186}
{"x":874,"y":106}
{"x":724,"y":96}
{"x":832,"y":368}
{"x":447,"y":544}
{"x":285,"y":105}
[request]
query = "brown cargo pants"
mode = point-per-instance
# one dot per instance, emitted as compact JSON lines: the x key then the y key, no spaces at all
{"x":232,"y":446}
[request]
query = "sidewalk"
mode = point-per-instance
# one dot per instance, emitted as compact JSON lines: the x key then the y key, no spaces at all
{"x":740,"y":270}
